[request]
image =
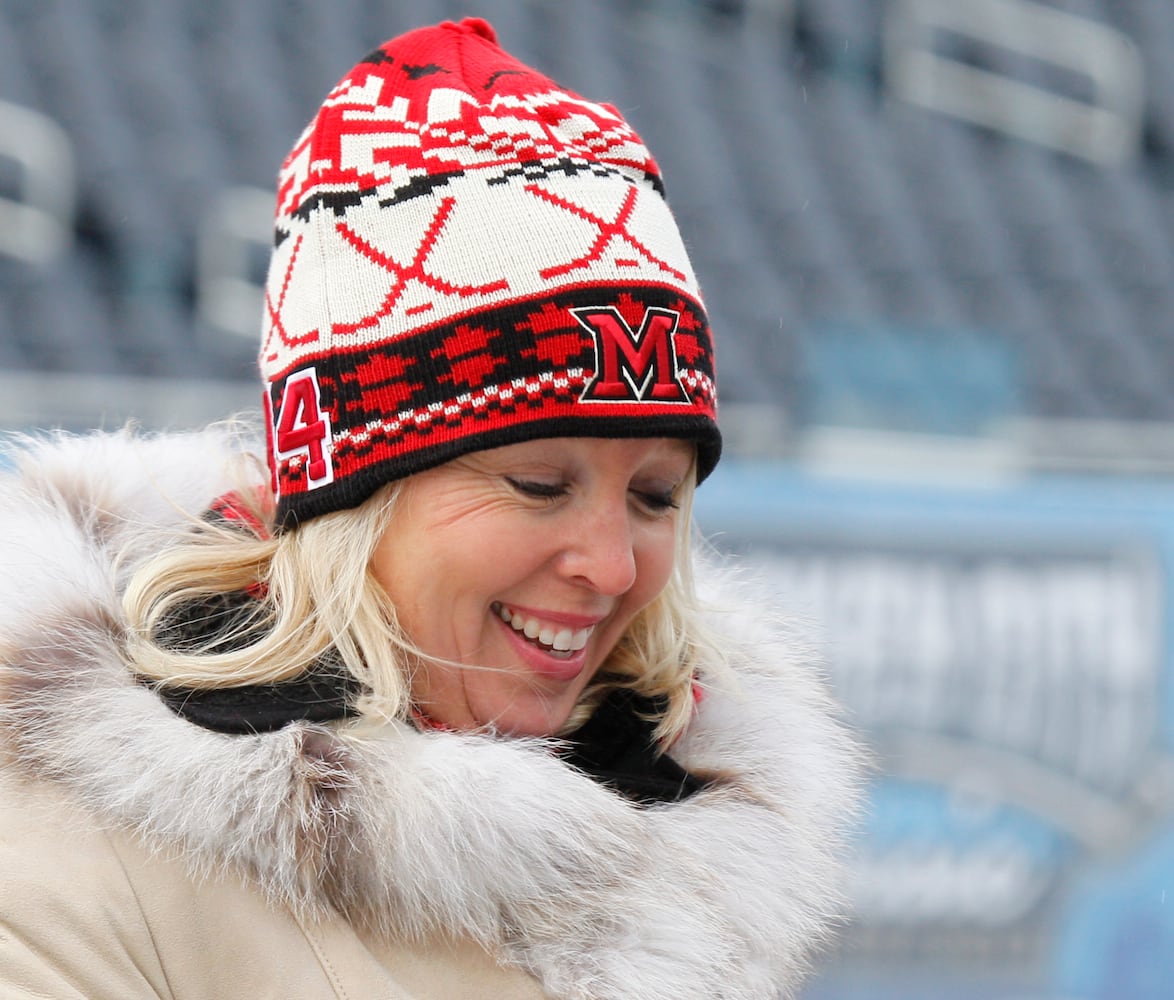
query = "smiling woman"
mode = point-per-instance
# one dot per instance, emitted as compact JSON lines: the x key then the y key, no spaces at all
{"x":434,"y":709}
{"x":542,"y":554}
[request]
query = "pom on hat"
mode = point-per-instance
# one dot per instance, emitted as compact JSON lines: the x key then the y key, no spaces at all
{"x":468,"y":255}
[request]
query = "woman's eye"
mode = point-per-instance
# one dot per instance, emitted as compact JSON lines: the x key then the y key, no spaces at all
{"x":658,"y":502}
{"x":535,"y":489}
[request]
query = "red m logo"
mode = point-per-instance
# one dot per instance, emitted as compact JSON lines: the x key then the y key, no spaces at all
{"x":632,"y":367}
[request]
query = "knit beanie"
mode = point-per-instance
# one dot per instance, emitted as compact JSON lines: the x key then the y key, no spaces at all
{"x":467,"y":256}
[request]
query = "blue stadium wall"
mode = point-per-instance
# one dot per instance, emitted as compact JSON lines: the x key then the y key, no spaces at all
{"x":1006,"y":651}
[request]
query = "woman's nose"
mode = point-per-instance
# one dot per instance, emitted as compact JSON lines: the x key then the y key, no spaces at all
{"x":600,"y":549}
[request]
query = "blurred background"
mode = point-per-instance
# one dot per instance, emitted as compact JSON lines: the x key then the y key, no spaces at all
{"x":935,"y":239}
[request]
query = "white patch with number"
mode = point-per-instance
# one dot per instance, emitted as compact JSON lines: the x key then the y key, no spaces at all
{"x":302,"y":430}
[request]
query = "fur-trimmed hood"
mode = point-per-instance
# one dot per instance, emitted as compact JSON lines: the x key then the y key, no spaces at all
{"x":724,"y":895}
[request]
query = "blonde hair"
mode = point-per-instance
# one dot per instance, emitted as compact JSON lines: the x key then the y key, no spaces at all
{"x":309,"y":607}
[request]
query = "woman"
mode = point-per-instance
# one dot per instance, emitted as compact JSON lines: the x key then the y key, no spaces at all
{"x":434,"y":711}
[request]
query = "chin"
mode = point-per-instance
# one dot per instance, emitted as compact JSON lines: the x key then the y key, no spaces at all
{"x":509,"y":726}
{"x":538,"y":721}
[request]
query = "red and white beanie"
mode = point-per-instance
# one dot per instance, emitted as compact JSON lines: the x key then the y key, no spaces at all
{"x":467,"y":256}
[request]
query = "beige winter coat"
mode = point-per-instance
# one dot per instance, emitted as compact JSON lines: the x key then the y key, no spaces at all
{"x":144,"y":857}
{"x":88,"y":913}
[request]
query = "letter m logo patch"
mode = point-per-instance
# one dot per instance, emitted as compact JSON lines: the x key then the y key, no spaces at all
{"x":632,"y":366}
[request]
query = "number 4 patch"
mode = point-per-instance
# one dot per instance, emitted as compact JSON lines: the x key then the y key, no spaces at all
{"x":303,"y":429}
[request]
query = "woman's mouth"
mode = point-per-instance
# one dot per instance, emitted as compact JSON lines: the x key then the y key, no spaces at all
{"x":554,"y":639}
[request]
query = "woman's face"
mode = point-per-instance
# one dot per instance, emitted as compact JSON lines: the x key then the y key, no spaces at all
{"x":516,"y":570}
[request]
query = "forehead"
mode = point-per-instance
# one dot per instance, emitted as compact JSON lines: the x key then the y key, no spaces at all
{"x":605,"y":452}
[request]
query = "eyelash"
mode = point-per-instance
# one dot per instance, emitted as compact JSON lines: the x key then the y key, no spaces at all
{"x":539,"y":491}
{"x":659,"y":502}
{"x":549,"y":491}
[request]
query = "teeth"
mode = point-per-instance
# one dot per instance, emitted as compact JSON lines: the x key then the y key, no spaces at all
{"x":563,"y":640}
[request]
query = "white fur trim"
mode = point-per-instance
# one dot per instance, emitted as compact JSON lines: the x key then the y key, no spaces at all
{"x":722,"y":896}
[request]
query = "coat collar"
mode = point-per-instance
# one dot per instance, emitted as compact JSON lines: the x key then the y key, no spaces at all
{"x":411,"y":833}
